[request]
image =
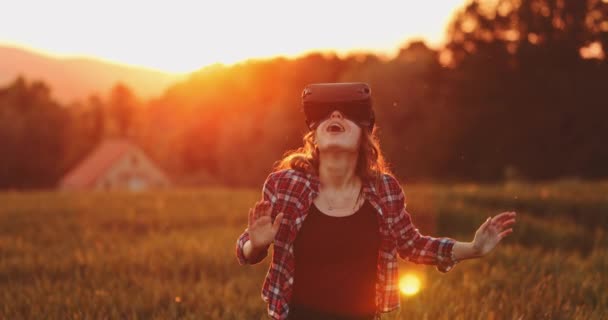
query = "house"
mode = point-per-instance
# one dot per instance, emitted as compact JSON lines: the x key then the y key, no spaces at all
{"x":115,"y":164}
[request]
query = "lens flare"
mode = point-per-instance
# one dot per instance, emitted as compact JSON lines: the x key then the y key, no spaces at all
{"x":409,"y":284}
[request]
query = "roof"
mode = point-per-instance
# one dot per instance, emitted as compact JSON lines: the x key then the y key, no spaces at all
{"x":96,"y":163}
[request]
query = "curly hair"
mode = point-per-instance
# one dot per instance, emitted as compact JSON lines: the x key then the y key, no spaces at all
{"x":370,"y":161}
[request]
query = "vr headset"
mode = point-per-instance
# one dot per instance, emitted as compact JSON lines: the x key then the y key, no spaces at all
{"x":352,"y":99}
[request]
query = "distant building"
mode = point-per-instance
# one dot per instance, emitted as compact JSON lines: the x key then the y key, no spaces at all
{"x":115,"y":164}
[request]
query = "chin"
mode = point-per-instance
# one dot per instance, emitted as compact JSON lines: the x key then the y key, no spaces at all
{"x":338,"y":147}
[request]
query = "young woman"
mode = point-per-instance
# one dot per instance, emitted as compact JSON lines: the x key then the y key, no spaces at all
{"x":336,"y":218}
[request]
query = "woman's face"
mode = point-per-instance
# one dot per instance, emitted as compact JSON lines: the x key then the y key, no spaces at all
{"x":338,"y":133}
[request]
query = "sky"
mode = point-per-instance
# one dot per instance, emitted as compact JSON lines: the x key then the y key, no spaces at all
{"x":183,"y":36}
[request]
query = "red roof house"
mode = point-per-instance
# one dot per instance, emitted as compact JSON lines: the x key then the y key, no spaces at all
{"x":115,"y":164}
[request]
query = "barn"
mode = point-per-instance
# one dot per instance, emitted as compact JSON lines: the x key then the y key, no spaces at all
{"x":115,"y":165}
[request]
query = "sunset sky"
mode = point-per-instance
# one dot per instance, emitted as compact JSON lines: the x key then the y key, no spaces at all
{"x":182,"y":36}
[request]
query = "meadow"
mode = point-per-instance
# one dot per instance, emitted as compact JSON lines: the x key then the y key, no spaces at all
{"x":171,"y":254}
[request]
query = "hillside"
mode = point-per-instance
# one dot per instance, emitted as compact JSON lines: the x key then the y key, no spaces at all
{"x":75,"y":78}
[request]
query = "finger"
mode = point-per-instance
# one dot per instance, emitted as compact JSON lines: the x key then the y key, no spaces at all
{"x":263,"y":204}
{"x":507,"y":223}
{"x":504,"y":233}
{"x":277,"y":222}
{"x":256,"y":215}
{"x":257,"y":209}
{"x":267,"y":210}
{"x":249,"y":217}
{"x":498,"y":218}
{"x":486,"y":223}
{"x":504,"y":216}
{"x":253,"y":214}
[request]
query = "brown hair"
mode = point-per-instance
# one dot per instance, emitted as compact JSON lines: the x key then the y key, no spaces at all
{"x":370,"y":162}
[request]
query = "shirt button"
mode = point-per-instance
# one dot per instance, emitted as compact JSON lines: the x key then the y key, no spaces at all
{"x":291,"y":280}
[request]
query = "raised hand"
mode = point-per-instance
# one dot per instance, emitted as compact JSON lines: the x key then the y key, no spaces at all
{"x":261,"y":228}
{"x":492,"y":231}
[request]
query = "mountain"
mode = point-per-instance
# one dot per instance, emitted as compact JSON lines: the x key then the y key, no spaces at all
{"x":76,"y":78}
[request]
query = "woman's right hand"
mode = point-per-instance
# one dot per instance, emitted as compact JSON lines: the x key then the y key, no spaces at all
{"x":261,"y":229}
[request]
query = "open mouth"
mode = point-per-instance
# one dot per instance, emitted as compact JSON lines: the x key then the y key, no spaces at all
{"x":335,"y":127}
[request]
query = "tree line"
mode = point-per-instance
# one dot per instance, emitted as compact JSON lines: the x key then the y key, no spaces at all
{"x":518,"y":92}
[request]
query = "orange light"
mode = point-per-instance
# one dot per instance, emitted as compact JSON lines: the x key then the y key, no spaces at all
{"x":410,"y":284}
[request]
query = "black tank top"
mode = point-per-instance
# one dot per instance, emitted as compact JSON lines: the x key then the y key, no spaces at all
{"x":335,"y":265}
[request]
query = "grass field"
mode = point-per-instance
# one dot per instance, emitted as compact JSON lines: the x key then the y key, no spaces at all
{"x":171,"y":255}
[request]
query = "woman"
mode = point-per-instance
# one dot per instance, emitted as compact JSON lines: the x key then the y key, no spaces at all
{"x":336,"y":218}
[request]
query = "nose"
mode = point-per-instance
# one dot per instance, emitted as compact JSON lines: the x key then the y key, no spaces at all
{"x":336,"y":114}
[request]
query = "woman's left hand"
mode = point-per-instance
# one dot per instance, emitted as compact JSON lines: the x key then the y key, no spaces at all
{"x":492,"y":231}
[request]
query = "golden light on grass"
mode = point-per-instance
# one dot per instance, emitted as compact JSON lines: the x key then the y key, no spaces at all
{"x":409,"y":284}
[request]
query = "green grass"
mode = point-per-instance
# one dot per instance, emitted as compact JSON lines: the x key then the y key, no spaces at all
{"x":171,"y":255}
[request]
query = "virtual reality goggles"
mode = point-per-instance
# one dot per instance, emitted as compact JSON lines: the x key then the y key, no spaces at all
{"x":352,"y":99}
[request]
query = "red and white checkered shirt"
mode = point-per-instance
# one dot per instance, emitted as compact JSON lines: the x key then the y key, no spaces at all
{"x":292,"y":192}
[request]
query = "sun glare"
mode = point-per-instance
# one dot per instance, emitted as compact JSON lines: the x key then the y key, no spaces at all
{"x":185,"y":36}
{"x":409,"y":284}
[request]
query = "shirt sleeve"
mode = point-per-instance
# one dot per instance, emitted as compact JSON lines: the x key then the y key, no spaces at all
{"x":268,"y":194}
{"x":413,"y":246}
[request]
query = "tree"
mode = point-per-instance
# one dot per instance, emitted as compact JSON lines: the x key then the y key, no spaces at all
{"x":32,"y":136}
{"x":122,"y":109}
{"x":528,"y":93}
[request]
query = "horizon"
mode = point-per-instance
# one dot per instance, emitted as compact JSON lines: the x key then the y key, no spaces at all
{"x":128,"y":44}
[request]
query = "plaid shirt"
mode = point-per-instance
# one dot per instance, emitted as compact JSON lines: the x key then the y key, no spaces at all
{"x":292,"y":192}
